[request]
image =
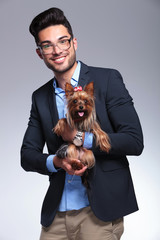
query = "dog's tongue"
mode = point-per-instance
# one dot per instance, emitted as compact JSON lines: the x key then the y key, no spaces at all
{"x":81,"y":114}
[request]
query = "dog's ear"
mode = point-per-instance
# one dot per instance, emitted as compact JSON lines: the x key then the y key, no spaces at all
{"x":69,"y":90}
{"x":89,"y":88}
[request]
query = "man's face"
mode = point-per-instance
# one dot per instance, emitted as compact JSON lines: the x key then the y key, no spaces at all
{"x":59,"y":60}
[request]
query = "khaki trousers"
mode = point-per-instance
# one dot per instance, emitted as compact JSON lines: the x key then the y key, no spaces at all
{"x":81,"y":225}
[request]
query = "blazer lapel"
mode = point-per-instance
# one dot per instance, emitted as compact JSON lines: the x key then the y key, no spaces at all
{"x":52,"y":104}
{"x":84,"y":75}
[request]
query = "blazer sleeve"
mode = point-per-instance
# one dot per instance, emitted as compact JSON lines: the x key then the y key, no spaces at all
{"x":125,"y":130}
{"x":32,"y":157}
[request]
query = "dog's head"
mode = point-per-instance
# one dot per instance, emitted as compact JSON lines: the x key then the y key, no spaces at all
{"x":80,"y":104}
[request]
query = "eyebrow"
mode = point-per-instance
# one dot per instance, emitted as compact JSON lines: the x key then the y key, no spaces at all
{"x":47,"y":41}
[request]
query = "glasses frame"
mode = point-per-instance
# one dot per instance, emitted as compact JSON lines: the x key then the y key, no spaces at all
{"x":53,"y":46}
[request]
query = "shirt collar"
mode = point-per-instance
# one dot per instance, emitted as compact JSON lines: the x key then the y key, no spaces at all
{"x":75,"y":77}
{"x":74,"y":80}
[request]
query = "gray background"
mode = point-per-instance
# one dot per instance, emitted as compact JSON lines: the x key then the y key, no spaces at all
{"x":118,"y":34}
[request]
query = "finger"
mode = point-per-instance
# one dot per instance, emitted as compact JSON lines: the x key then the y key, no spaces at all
{"x":74,"y":166}
{"x":81,"y":171}
{"x":68,"y":168}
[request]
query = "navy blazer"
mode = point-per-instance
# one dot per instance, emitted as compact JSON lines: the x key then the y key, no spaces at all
{"x":111,"y":192}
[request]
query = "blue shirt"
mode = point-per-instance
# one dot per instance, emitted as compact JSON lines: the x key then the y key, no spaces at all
{"x":74,"y":195}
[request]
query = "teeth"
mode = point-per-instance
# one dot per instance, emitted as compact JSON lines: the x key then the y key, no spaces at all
{"x":59,"y":59}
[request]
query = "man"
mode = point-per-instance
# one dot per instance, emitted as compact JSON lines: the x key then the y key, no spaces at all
{"x":70,"y":211}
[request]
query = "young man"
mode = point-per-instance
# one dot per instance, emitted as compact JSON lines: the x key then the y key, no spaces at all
{"x":70,"y":211}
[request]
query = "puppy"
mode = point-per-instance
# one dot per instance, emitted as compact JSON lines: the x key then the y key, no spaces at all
{"x":81,"y":115}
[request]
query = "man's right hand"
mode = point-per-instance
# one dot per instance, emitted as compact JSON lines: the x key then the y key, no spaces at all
{"x":66,"y":164}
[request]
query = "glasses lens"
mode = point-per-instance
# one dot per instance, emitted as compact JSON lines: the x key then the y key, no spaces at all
{"x":63,"y":44}
{"x":48,"y":48}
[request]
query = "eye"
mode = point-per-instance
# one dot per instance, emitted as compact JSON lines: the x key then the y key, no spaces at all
{"x":63,"y":41}
{"x":46,"y":46}
{"x":75,"y":101}
{"x":85,"y":101}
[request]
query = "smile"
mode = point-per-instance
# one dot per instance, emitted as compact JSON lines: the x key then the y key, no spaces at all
{"x":59,"y":60}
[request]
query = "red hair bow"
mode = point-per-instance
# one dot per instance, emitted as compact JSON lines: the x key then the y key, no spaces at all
{"x":78,"y":89}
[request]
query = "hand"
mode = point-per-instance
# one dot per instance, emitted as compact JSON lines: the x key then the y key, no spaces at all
{"x":66,"y":164}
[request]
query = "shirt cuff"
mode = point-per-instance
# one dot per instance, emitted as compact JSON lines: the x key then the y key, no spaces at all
{"x":88,"y":140}
{"x":49,"y":163}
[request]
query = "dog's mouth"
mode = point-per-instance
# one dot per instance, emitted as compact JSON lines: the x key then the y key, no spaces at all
{"x":80,"y":114}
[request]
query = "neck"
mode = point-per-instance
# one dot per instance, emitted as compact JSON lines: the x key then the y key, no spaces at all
{"x":63,"y":78}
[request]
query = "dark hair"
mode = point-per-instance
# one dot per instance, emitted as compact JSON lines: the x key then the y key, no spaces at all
{"x":50,"y":17}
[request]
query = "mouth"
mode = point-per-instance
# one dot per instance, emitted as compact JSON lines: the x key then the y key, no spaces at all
{"x":59,"y":59}
{"x":80,"y":114}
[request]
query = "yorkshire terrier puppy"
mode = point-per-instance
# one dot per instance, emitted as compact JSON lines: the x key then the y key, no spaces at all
{"x":81,"y":115}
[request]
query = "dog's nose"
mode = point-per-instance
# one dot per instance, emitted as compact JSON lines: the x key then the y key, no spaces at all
{"x":80,"y":107}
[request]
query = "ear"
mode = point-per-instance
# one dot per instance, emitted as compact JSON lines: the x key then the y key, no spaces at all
{"x":39,"y":53}
{"x":75,"y":43}
{"x":89,"y":89}
{"x":69,"y":90}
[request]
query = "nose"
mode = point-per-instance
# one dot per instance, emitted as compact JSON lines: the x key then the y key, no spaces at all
{"x":56,"y":50}
{"x":80,"y":107}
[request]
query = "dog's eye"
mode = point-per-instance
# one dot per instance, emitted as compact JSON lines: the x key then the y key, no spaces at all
{"x":75,"y":101}
{"x":85,"y":101}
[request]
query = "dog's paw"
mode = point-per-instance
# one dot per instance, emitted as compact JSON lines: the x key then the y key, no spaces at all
{"x":77,"y":165}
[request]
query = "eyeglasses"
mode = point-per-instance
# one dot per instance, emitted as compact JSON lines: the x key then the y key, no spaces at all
{"x":47,"y":47}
